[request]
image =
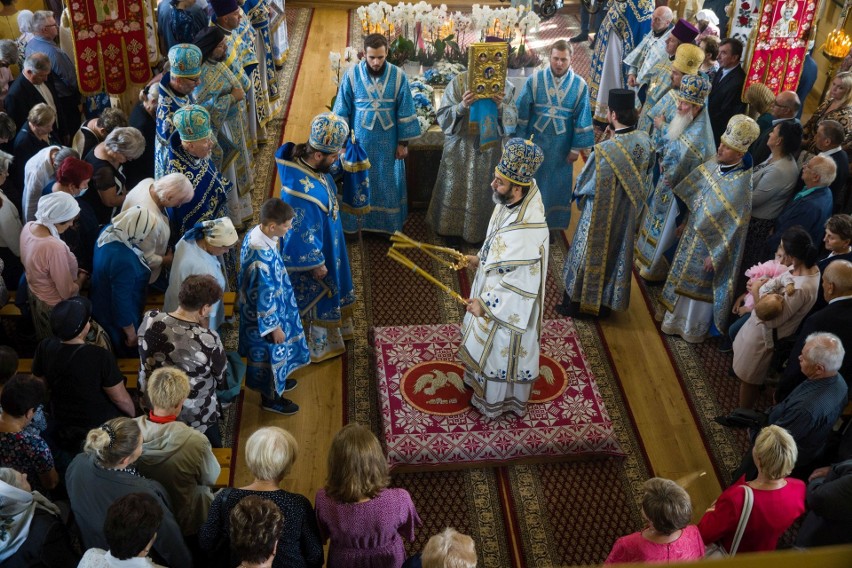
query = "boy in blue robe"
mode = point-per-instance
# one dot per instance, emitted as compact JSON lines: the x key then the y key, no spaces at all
{"x":271,"y":333}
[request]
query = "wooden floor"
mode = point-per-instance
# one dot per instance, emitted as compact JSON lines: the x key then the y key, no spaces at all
{"x":666,"y":427}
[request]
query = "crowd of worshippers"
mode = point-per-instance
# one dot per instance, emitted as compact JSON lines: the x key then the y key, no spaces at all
{"x":738,"y":211}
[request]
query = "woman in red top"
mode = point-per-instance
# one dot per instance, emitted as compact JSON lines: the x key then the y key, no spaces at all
{"x":778,"y":500}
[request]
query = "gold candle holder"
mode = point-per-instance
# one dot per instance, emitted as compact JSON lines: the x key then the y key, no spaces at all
{"x":835,"y":49}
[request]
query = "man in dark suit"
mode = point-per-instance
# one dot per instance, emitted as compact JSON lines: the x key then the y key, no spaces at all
{"x":785,"y":107}
{"x":828,"y":139}
{"x":726,"y":91}
{"x":834,"y":318}
{"x":33,"y":86}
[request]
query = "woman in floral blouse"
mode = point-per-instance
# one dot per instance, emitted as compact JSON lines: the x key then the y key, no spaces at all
{"x":182,"y":338}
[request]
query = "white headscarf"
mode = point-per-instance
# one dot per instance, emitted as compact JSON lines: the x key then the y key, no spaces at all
{"x":129,"y":227}
{"x":55,"y":208}
{"x":707,"y":16}
{"x":17,"y":508}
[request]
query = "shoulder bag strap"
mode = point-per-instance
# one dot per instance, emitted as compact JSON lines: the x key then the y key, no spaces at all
{"x":746,"y":513}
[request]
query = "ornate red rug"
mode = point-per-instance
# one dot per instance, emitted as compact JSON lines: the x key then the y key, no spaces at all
{"x":428,"y":419}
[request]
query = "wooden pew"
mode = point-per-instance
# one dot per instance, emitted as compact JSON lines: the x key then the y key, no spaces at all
{"x":153,"y":302}
{"x":10,"y":310}
{"x":130,"y":370}
{"x":225,"y":457}
{"x":156,"y":301}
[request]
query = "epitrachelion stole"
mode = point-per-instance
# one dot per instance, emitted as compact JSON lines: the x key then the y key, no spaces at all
{"x":115,"y":43}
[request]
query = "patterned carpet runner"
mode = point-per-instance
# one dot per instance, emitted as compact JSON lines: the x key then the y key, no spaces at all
{"x":546,"y":514}
{"x":428,"y":421}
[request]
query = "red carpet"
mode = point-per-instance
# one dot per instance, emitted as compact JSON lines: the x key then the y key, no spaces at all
{"x":428,"y":420}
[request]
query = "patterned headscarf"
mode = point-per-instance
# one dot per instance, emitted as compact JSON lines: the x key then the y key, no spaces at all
{"x":129,"y":227}
{"x":217,"y":232}
{"x":17,"y":508}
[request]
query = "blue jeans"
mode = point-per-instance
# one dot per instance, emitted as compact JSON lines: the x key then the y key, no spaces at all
{"x":735,"y":327}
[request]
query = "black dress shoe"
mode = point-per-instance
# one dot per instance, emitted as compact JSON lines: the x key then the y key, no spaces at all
{"x":582,"y":36}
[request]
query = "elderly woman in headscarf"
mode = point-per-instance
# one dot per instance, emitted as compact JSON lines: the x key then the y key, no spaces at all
{"x":198,"y":252}
{"x":51,"y":268}
{"x":33,"y":532}
{"x":708,"y":24}
{"x":120,"y":278}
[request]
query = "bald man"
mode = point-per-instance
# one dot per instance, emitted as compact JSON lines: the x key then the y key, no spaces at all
{"x":786,"y":107}
{"x":811,"y":207}
{"x":651,"y":49}
{"x":834,"y":318}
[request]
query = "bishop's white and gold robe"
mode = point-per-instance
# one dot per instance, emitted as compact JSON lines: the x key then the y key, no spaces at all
{"x":501,"y":350}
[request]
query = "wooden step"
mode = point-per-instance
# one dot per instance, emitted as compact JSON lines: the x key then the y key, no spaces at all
{"x":153,"y":302}
{"x":225,"y":457}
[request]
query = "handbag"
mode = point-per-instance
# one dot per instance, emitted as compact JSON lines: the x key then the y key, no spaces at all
{"x":716,"y":550}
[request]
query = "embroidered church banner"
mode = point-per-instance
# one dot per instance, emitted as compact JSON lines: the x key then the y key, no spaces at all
{"x":779,"y":43}
{"x":111,"y":44}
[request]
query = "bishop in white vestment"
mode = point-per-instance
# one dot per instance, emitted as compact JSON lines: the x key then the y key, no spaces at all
{"x":502,"y":330}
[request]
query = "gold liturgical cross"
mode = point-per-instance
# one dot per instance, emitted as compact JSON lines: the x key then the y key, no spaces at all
{"x":451,"y":257}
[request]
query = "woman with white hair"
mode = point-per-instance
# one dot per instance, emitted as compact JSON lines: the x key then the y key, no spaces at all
{"x":120,"y":278}
{"x":10,"y":230}
{"x":33,"y":532}
{"x":108,"y":186}
{"x":447,"y":548}
{"x":51,"y":268}
{"x":198,"y":252}
{"x":270,"y":453}
{"x":170,"y":190}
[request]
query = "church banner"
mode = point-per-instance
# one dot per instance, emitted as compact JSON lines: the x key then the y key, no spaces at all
{"x":111,"y":44}
{"x":779,"y":43}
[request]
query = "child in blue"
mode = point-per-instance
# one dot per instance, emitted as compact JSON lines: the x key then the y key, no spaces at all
{"x":271,"y":333}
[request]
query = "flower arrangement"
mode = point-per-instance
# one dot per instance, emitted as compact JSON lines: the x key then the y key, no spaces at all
{"x":340,"y":64}
{"x":423,"y":96}
{"x":442,"y":73}
{"x":426,"y":34}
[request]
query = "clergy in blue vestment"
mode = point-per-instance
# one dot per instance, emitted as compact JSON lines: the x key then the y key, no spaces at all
{"x":200,"y":252}
{"x":554,"y":107}
{"x":688,"y":143}
{"x":189,"y":153}
{"x":624,"y":26}
{"x":175,"y":91}
{"x":472,"y":147}
{"x":611,"y":187}
{"x":120,"y":278}
{"x":664,"y":78}
{"x":271,"y":334}
{"x":699,"y":290}
{"x":315,"y":254}
{"x":651,"y":50}
{"x":374,"y":98}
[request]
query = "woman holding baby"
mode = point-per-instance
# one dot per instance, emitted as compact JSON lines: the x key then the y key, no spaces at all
{"x":780,"y":304}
